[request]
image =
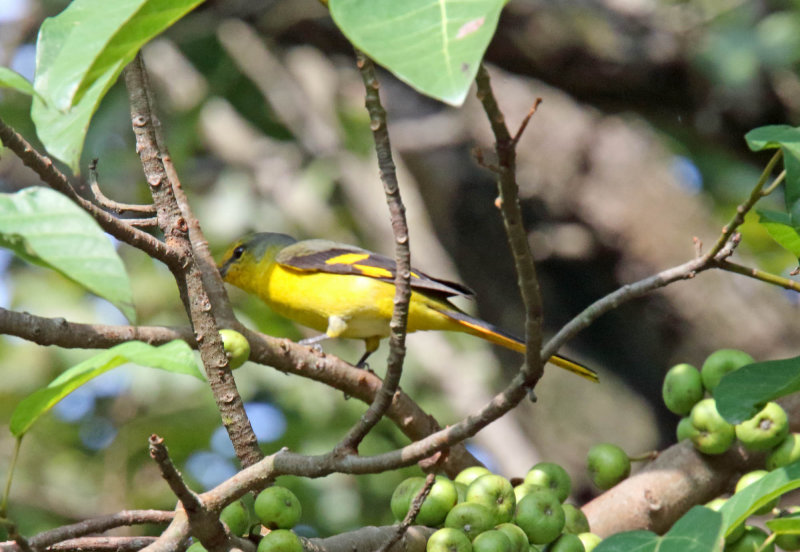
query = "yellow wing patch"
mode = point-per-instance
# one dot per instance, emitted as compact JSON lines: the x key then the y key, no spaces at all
{"x":373,"y":271}
{"x":347,"y":258}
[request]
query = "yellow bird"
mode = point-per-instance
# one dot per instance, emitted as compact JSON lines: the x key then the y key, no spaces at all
{"x":346,"y":291}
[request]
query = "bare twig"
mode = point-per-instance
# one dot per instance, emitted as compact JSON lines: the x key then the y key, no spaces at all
{"x":205,"y":524}
{"x":758,"y":274}
{"x":413,"y":512}
{"x":114,"y":206}
{"x":397,"y":325}
{"x":100,"y":524}
{"x":505,"y":173}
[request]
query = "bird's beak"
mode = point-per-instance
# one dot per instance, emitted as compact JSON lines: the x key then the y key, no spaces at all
{"x":223,"y":270}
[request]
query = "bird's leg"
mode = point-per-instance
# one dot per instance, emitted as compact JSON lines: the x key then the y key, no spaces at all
{"x":371,"y":344}
{"x":314,"y":341}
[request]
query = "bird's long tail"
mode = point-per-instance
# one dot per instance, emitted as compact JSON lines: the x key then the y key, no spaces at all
{"x":500,"y":337}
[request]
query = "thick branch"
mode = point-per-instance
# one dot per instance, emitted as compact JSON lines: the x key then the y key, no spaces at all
{"x":174,"y":223}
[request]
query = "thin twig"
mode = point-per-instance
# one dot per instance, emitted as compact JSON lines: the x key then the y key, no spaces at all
{"x":100,"y":524}
{"x":397,"y":325}
{"x":758,"y":274}
{"x":50,"y":175}
{"x":505,"y":147}
{"x":109,"y":204}
{"x":411,"y":515}
{"x":205,"y":525}
{"x":103,"y":544}
{"x":524,"y":124}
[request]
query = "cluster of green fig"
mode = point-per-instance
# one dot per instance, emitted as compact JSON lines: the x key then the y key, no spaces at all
{"x":277,"y":509}
{"x":480,"y":511}
{"x":768,"y":431}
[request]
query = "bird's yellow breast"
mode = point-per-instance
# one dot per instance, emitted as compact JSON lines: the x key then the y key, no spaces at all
{"x":365,"y":304}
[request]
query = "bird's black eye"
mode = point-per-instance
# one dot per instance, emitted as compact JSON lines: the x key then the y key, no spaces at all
{"x":237,"y":252}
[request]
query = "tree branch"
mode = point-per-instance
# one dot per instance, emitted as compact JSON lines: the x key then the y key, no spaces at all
{"x":508,"y":203}
{"x":50,"y":175}
{"x":397,"y":325}
{"x":176,"y":225}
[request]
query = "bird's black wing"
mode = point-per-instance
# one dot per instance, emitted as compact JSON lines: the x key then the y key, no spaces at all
{"x":336,"y":258}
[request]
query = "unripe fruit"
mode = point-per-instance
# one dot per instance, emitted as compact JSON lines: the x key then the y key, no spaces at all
{"x":751,"y":541}
{"x":566,"y":543}
{"x":785,"y":453}
{"x":496,"y":493}
{"x":575,"y":520}
{"x":492,"y":541}
{"x":278,"y":508}
{"x":448,"y":539}
{"x":236,"y":346}
{"x":550,"y":475}
{"x":682,"y":389}
{"x":788,"y":541}
{"x":471,"y":518}
{"x":518,"y":538}
{"x":236,"y":517}
{"x":524,"y":488}
{"x":403,"y":494}
{"x":608,"y":464}
{"x":590,"y":541}
{"x":720,"y":363}
{"x":470,"y":474}
{"x":765,"y":430}
{"x":280,"y":540}
{"x":440,"y":500}
{"x":684,"y":429}
{"x":541,"y":516}
{"x":711,"y":434}
{"x":750,"y":478}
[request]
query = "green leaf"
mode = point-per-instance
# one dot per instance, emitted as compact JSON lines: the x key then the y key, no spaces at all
{"x":433,"y":45}
{"x":46,"y":228}
{"x":12,"y":79}
{"x":699,"y":530}
{"x":785,"y":524}
{"x":175,"y":356}
{"x":788,"y":139}
{"x":743,"y":392}
{"x":91,"y":37}
{"x":779,"y":227}
{"x":79,"y":55}
{"x":63,"y":133}
{"x":744,"y":503}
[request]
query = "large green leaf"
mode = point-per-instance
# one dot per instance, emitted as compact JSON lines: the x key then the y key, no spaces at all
{"x":700,"y":530}
{"x":63,"y":133}
{"x":46,"y":228}
{"x":175,"y":356}
{"x":12,"y":79}
{"x":79,"y":55}
{"x":788,"y":139}
{"x":742,"y":393}
{"x":435,"y":46}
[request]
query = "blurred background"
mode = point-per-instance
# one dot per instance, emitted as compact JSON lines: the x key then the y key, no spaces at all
{"x":636,"y":149}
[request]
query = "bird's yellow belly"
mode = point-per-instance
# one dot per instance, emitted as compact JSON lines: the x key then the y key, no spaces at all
{"x":364,"y":304}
